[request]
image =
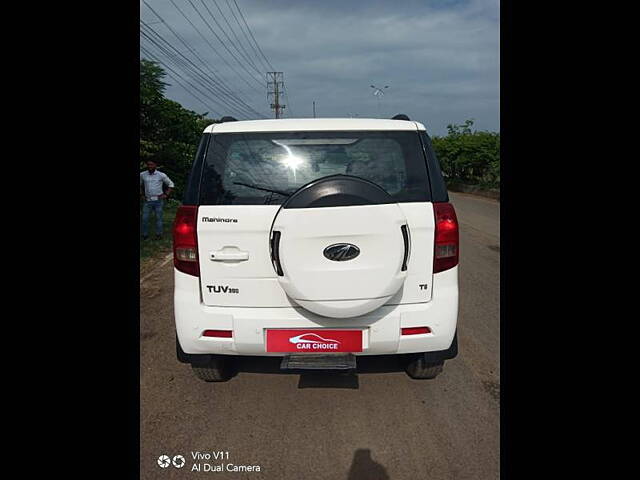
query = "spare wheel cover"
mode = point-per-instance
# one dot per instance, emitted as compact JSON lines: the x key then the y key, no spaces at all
{"x":338,"y":246}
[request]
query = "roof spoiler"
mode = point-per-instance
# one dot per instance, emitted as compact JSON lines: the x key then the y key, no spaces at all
{"x":401,"y":116}
{"x":228,"y":119}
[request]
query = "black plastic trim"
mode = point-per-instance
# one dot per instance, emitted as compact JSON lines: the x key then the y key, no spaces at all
{"x":400,"y":116}
{"x":437,"y":184}
{"x":405,"y":238}
{"x":180,"y":354}
{"x":192,"y":189}
{"x":338,"y":191}
{"x":275,"y":252}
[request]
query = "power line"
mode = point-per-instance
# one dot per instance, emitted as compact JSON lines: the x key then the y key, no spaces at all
{"x":247,"y":57}
{"x":254,"y":38}
{"x":222,"y":41}
{"x":212,"y":81}
{"x":217,"y":81}
{"x":218,"y":84}
{"x":211,"y":94}
{"x":286,"y":97}
{"x":192,"y":50}
{"x":266,"y":61}
{"x":206,"y":65}
{"x":207,"y":41}
{"x":179,"y":59}
{"x":248,"y":40}
{"x":153,"y":57}
{"x":203,"y":90}
{"x":199,"y":75}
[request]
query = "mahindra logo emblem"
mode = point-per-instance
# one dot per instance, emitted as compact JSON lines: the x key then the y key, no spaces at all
{"x":341,"y":252}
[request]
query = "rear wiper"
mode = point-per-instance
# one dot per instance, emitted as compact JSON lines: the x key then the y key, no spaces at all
{"x":263,"y":189}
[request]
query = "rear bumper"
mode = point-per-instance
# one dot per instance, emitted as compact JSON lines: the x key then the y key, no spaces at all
{"x":381,"y":328}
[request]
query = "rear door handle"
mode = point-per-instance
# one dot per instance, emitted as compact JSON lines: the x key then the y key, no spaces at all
{"x":229,"y":255}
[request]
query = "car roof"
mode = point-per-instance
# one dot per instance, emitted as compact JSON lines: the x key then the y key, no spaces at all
{"x":312,"y":124}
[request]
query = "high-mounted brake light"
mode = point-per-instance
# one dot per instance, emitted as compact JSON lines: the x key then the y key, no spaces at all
{"x":185,"y":242}
{"x":446,"y":237}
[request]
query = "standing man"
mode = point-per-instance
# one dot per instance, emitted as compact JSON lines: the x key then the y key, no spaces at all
{"x":151,"y":182}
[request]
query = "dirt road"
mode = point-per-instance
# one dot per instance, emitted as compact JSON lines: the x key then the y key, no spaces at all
{"x":378,"y":426}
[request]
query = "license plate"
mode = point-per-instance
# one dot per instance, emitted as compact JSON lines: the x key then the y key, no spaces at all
{"x":314,"y":341}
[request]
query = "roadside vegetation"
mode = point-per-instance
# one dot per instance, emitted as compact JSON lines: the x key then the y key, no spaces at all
{"x":469,"y":157}
{"x":169,"y":135}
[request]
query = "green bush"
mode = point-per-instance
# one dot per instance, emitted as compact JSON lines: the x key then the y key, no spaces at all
{"x":469,"y":157}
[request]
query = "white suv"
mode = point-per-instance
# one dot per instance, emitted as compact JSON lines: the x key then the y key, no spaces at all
{"x":318,"y":241}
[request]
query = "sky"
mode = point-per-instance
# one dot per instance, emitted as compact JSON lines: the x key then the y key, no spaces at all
{"x":440,"y":59}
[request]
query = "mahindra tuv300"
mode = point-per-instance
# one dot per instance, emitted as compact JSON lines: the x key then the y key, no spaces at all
{"x":319,"y":241}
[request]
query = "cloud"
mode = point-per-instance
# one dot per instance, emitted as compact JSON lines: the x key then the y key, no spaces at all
{"x":440,"y":59}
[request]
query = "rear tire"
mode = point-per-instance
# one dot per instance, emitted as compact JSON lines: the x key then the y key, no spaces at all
{"x":420,"y":369}
{"x":217,"y":370}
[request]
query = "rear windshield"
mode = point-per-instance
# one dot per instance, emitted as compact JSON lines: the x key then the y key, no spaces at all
{"x":263,"y":168}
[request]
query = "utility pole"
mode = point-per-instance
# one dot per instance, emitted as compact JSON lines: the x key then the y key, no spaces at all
{"x":314,"y":109}
{"x":275,"y":86}
{"x":378,"y":92}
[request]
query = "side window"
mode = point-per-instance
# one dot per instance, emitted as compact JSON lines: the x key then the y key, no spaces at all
{"x":438,"y":186}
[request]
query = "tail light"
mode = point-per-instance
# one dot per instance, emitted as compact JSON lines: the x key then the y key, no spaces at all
{"x":446,"y":237}
{"x":185,"y":242}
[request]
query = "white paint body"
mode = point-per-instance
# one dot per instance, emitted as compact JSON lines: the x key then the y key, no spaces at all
{"x":262,"y":303}
{"x":370,"y":292}
{"x":381,"y":328}
{"x":313,"y":125}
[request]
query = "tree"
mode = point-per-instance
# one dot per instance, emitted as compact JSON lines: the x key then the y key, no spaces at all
{"x":169,"y":133}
